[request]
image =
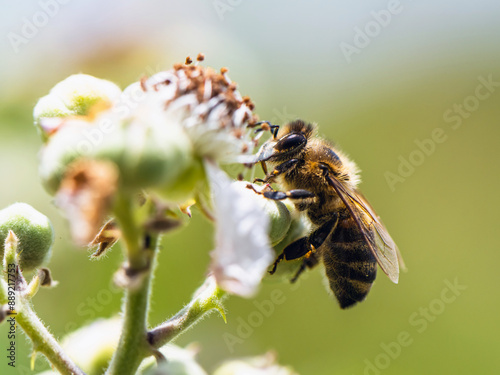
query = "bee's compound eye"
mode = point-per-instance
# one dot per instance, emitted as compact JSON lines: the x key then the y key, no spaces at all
{"x":290,"y":142}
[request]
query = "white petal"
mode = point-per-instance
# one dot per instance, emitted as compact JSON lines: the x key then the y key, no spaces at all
{"x":83,"y":85}
{"x":243,"y":253}
{"x":50,"y":105}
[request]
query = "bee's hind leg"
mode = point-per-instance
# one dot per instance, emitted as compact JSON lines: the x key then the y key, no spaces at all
{"x":306,"y":247}
{"x":308,"y":262}
{"x":295,"y":250}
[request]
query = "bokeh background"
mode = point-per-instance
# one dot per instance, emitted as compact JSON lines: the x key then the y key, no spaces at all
{"x":377,"y":96}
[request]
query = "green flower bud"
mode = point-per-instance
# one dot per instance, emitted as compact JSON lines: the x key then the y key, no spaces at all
{"x":147,"y":154}
{"x":34,"y":231}
{"x":92,"y":346}
{"x":262,"y":365}
{"x":180,"y":361}
{"x":299,"y":227}
{"x":277,"y":212}
{"x":64,"y":147}
{"x":182,"y":188}
{"x":149,"y":150}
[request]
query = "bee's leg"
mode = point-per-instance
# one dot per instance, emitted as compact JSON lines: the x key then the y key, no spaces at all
{"x":306,"y":247}
{"x":292,"y":194}
{"x":267,"y":126}
{"x":319,"y":236}
{"x":308,"y":262}
{"x":281,"y":168}
{"x":295,"y":250}
{"x":276,"y":262}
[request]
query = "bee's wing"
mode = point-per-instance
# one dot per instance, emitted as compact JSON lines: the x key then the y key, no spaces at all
{"x":376,"y":236}
{"x":381,"y":225}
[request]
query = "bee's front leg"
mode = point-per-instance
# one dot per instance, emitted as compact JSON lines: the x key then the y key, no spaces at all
{"x":266,"y":125}
{"x":292,"y":194}
{"x":279,"y":169}
{"x":308,"y":262}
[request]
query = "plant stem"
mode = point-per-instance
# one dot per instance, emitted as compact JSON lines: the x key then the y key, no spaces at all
{"x":22,"y":313}
{"x":131,"y":232}
{"x":205,"y":300}
{"x":43,"y":341}
{"x":133,"y":346}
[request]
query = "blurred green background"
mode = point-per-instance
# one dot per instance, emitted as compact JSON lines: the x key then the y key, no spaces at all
{"x":377,"y":96}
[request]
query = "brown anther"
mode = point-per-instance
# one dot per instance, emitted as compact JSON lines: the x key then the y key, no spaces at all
{"x":223,"y":70}
{"x":245,"y":117}
{"x":188,"y":60}
{"x":232,"y":86}
{"x":238,"y":133}
{"x":200,"y":57}
{"x":241,"y":177}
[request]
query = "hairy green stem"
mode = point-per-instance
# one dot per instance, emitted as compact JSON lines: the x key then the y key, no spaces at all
{"x":141,"y":249}
{"x":125,"y":212}
{"x":43,"y":341}
{"x":25,"y":316}
{"x":208,"y":298}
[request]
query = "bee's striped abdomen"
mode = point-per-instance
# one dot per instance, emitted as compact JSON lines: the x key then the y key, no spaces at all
{"x":350,"y":266}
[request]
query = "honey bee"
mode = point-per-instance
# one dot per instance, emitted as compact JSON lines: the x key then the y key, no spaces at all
{"x":348,"y":236}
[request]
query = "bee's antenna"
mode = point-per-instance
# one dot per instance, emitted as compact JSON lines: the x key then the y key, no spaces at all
{"x":268,"y":126}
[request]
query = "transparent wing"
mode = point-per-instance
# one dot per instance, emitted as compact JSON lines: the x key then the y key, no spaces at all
{"x":374,"y":232}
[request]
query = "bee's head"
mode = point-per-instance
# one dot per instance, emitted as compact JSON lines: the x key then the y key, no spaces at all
{"x":290,"y":140}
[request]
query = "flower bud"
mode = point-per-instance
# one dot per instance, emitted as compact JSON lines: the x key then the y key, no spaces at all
{"x":299,"y":227}
{"x":150,"y":149}
{"x":92,"y":346}
{"x":277,"y":212}
{"x":180,"y":361}
{"x":181,"y":189}
{"x":262,"y":365}
{"x":34,"y":231}
{"x":77,"y":95}
{"x":64,"y":147}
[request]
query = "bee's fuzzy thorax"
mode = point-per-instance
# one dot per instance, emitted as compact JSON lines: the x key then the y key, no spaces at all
{"x":322,"y":150}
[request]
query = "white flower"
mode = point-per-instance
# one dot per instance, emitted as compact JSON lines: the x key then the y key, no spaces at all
{"x":211,"y":110}
{"x":243,"y":252}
